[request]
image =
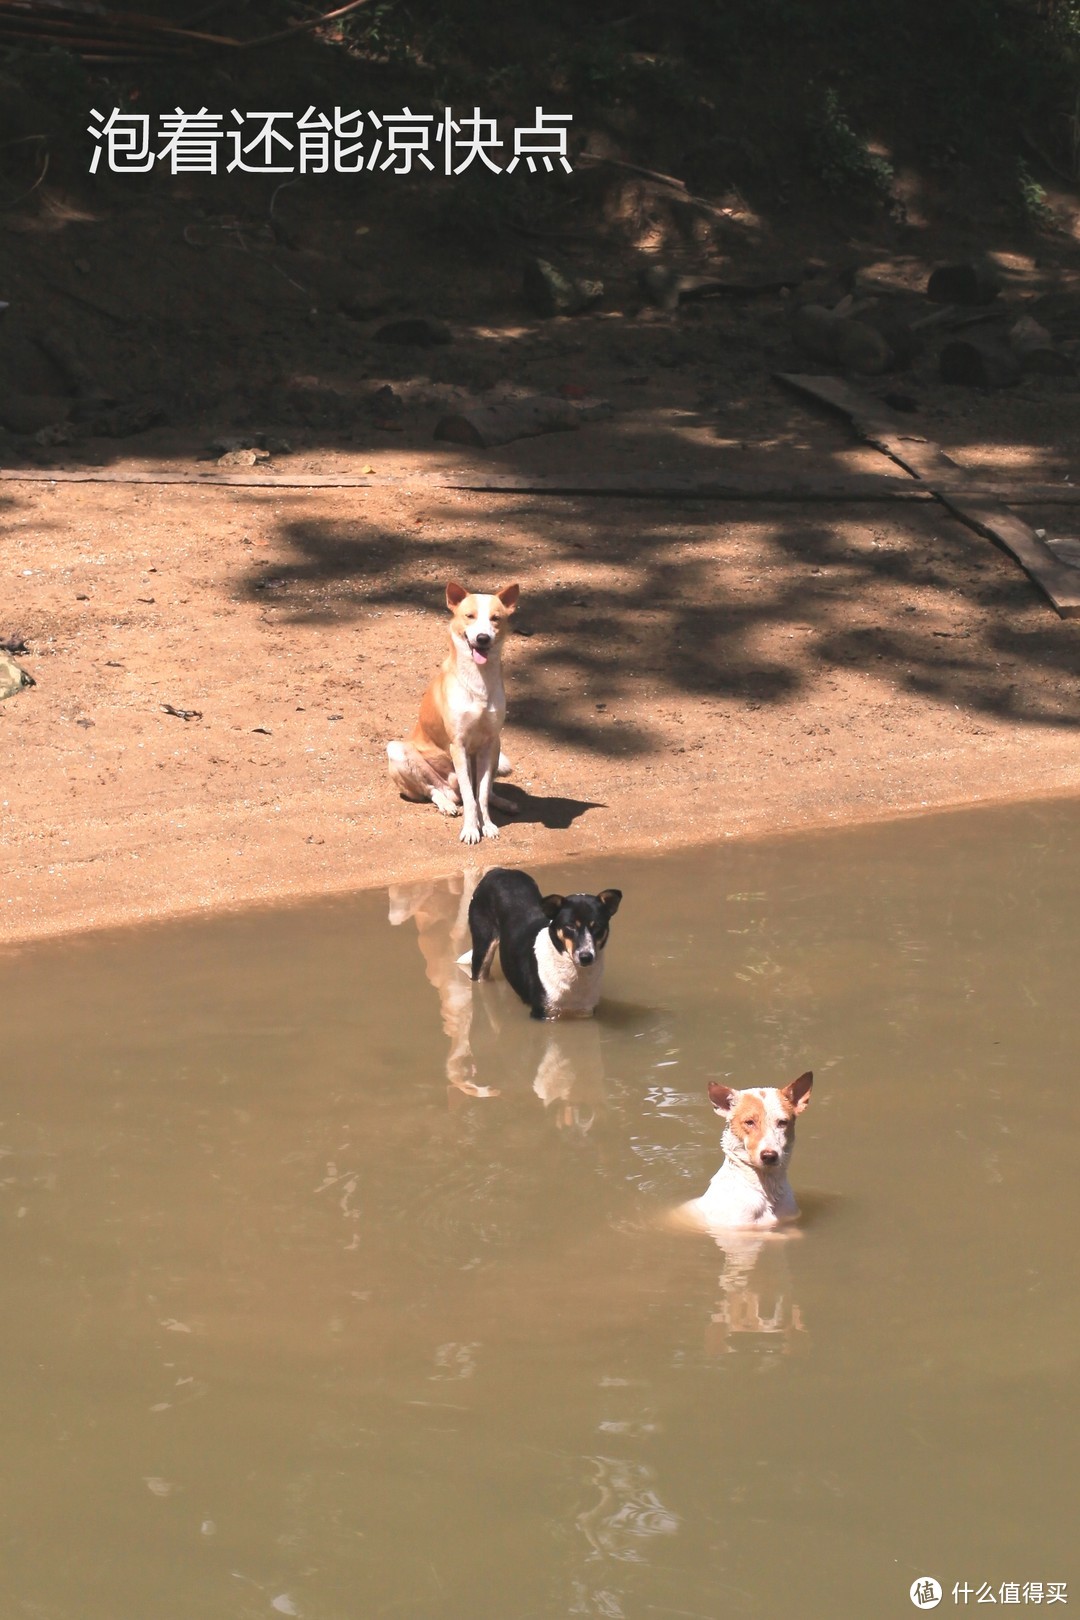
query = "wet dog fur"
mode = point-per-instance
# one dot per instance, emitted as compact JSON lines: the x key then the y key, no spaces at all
{"x":551,"y":947}
{"x":751,"y":1188}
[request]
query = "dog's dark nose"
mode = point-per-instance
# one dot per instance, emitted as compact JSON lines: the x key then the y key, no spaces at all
{"x":585,"y":957}
{"x":770,"y":1156}
{"x":483,"y":641}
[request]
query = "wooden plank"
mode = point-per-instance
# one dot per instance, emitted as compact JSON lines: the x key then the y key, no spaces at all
{"x":981,"y":509}
{"x":796,"y":486}
{"x":185,"y":475}
{"x":640,"y":486}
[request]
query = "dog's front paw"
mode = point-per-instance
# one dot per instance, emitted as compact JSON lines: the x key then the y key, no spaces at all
{"x":470,"y":833}
{"x":490,"y":830}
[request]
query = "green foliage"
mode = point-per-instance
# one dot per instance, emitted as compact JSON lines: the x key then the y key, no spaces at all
{"x":841,"y":159}
{"x":391,"y":32}
{"x":1063,"y":27}
{"x":381,"y":31}
{"x":1030,"y":201}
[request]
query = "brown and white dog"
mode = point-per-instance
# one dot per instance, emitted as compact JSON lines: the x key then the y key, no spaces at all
{"x":751,"y":1188}
{"x":452,"y":754}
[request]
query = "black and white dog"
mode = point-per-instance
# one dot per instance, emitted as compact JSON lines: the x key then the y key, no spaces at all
{"x":551,"y":947}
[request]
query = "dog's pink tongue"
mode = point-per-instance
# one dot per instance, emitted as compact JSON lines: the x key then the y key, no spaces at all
{"x":481,"y":658}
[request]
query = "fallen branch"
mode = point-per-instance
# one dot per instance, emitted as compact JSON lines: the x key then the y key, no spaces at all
{"x":304,"y":27}
{"x":91,"y":30}
{"x":635,"y":168}
{"x":684,"y":193}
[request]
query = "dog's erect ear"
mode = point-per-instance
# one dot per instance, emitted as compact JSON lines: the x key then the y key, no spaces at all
{"x":722,"y":1098}
{"x":455,"y":595}
{"x":798,"y":1093}
{"x":552,"y":904}
{"x":508,"y":596}
{"x":610,"y":899}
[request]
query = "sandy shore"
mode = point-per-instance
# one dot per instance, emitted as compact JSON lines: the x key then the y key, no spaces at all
{"x":681,"y":674}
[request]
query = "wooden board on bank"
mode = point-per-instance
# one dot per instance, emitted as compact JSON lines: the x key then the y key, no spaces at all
{"x":781,"y":485}
{"x":981,"y":509}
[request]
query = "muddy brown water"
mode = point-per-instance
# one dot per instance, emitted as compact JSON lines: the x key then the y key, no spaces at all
{"x":298,"y":1320}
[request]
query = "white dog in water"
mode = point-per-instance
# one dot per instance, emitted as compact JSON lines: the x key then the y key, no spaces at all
{"x":751,"y":1191}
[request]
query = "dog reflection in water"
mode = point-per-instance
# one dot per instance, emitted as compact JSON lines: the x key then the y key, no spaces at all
{"x":569,"y":1077}
{"x":755,"y":1310}
{"x":562,"y":1062}
{"x":440,"y":910}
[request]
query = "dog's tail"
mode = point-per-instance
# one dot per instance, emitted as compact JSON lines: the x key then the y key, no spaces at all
{"x":404,"y":772}
{"x":413,"y":775}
